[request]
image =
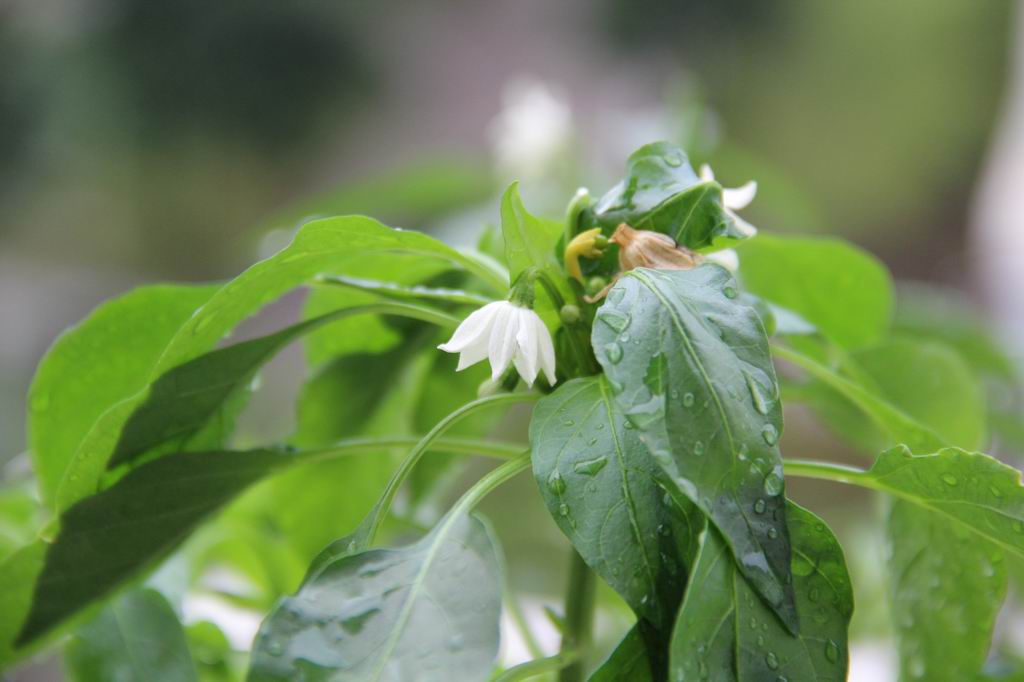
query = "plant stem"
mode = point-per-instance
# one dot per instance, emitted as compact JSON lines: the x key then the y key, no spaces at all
{"x":462,"y":446}
{"x":827,"y":471}
{"x":538,"y":666}
{"x":579,"y":616}
{"x":380,"y":510}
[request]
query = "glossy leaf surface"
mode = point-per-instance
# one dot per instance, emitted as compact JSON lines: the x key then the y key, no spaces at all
{"x":430,"y":608}
{"x":611,"y":499}
{"x":661,"y":192}
{"x":724,"y":631}
{"x":627,"y":662}
{"x":690,"y":368}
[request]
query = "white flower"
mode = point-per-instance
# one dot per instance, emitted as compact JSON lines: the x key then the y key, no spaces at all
{"x":505,"y":333}
{"x":727,"y":258}
{"x":734,"y":199}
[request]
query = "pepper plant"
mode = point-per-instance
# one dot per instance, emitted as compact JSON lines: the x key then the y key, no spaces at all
{"x":650,"y":333}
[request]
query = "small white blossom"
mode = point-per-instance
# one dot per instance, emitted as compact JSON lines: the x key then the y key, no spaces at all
{"x":734,"y":199}
{"x":504,"y":333}
{"x":727,"y":258}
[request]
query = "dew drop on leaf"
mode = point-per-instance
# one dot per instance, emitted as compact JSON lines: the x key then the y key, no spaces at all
{"x":949,"y":479}
{"x":756,"y":394}
{"x":772,"y":533}
{"x":698,"y":448}
{"x":729,"y":291}
{"x":688,"y":400}
{"x":563,"y":509}
{"x":772,"y":661}
{"x":770,"y":434}
{"x":556,"y":483}
{"x":590,"y":467}
{"x":759,"y":506}
{"x":773,"y":484}
{"x":832,"y":651}
{"x":614,"y":319}
{"x":613,"y":352}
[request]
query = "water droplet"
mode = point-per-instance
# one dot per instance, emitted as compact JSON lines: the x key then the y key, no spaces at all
{"x":614,"y":319}
{"x":600,"y":426}
{"x":563,"y":509}
{"x":760,"y":506}
{"x":756,"y":394}
{"x":813,"y":595}
{"x":770,"y":434}
{"x":274,"y":647}
{"x":949,"y":479}
{"x":773,"y":484}
{"x":673,"y":160}
{"x":624,"y":337}
{"x":688,"y":399}
{"x":456,"y":643}
{"x":996,"y":492}
{"x":772,"y":661}
{"x":354,"y":624}
{"x":760,"y":640}
{"x":556,"y":483}
{"x":729,"y":291}
{"x":753,"y":623}
{"x":698,"y":448}
{"x":664,"y":530}
{"x":773,"y":533}
{"x":590,"y":467}
{"x":613,"y":352}
{"x":832,"y":651}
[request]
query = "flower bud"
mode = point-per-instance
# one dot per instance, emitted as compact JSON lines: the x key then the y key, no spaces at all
{"x":595,"y":284}
{"x":647,"y":249}
{"x":570,"y":314}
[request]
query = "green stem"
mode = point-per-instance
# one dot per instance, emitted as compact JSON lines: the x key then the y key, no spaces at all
{"x":538,"y":666}
{"x":580,"y":347}
{"x":461,"y":446}
{"x":579,"y":616}
{"x":380,"y":510}
{"x":828,"y":471}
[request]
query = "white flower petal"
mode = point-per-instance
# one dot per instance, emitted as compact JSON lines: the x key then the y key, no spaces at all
{"x":739,"y":198}
{"x":527,"y":353}
{"x":472,"y":355}
{"x":502,"y":344}
{"x":743,"y":226}
{"x":727,"y":258}
{"x":706,"y":174}
{"x":547,"y":351}
{"x":472,"y":329}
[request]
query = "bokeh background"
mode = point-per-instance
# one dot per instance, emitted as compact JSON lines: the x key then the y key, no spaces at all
{"x":147,"y":141}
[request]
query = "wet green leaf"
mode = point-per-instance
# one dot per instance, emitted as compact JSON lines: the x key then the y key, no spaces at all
{"x":844,"y":291}
{"x":661,"y":192}
{"x":611,"y":499}
{"x":391,"y":614}
{"x":322,"y":247}
{"x":690,"y":368}
{"x":102,"y":360}
{"x":113,"y":535}
{"x":529,"y":240}
{"x":724,"y":631}
{"x":136,"y":637}
{"x":947,"y":589}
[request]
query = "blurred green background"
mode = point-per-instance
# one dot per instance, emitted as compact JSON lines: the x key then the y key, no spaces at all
{"x":147,"y":141}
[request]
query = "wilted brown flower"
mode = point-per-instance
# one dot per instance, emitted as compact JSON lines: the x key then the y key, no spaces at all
{"x":647,"y":249}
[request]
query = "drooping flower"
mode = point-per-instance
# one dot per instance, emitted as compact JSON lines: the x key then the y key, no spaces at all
{"x":504,"y":332}
{"x":734,"y":199}
{"x":727,"y":258}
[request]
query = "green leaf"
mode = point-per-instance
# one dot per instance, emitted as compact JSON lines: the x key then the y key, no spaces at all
{"x":136,"y":637}
{"x":110,"y":537}
{"x":725,"y":632}
{"x":661,"y":192}
{"x":627,"y":661}
{"x":611,"y":499}
{"x":692,"y":371}
{"x":20,"y":517}
{"x":947,"y":589}
{"x":77,"y":379}
{"x":323,"y":247}
{"x":529,"y":240}
{"x":392,"y":614}
{"x":403,"y":292}
{"x":844,"y":291}
{"x":182,"y":400}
